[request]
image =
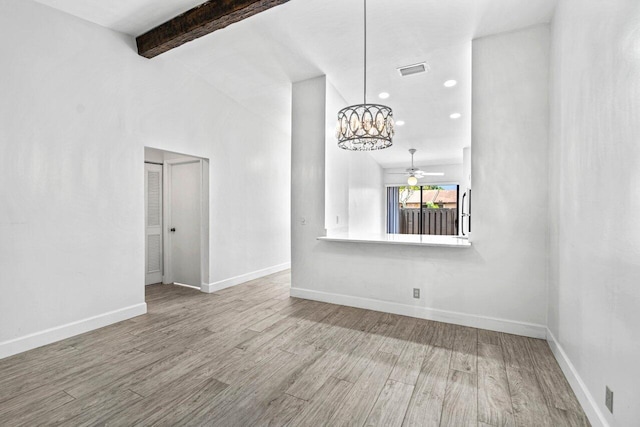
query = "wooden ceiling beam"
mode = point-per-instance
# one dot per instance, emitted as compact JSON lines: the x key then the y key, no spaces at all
{"x":199,"y":21}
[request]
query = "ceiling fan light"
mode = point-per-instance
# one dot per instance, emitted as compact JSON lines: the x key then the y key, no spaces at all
{"x":412,"y":180}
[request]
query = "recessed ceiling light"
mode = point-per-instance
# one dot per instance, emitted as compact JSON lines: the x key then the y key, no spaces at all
{"x":383,"y":95}
{"x":450,"y":83}
{"x":455,"y":115}
{"x":400,"y":123}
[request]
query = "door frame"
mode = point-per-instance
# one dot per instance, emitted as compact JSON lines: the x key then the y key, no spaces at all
{"x":203,"y":191}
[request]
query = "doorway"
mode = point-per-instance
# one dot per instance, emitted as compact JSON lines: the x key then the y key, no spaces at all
{"x":177,"y":219}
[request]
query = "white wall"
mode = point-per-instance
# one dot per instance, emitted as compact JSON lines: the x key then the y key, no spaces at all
{"x":336,"y":167}
{"x":308,"y":147}
{"x":504,"y":274}
{"x":367,"y":194}
{"x":594,"y":294}
{"x":77,"y":107}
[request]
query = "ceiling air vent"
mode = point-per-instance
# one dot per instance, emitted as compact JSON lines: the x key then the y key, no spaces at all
{"x":413,"y":69}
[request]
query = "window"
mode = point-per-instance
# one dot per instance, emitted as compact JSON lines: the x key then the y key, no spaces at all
{"x":426,"y":209}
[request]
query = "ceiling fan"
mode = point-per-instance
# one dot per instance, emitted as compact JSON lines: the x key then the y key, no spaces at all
{"x":414,"y":173}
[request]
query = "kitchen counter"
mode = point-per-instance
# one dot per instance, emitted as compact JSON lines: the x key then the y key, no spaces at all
{"x":398,"y":239}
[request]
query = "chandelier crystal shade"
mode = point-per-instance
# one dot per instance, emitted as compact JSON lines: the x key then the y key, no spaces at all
{"x":365,"y":127}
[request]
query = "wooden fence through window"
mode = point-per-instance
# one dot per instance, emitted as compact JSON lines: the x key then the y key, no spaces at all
{"x":440,"y":222}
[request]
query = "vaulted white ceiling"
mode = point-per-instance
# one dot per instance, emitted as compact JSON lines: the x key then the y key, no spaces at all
{"x":256,"y":60}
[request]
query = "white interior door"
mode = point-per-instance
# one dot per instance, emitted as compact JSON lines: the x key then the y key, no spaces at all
{"x":184,"y":230}
{"x":153,"y":220}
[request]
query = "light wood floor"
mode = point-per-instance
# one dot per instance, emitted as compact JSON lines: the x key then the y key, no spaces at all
{"x":250,"y":355}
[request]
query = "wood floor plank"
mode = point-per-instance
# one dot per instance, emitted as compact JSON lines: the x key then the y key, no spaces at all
{"x":323,"y":404}
{"x":366,"y":345}
{"x":459,"y":408}
{"x":515,"y":351}
{"x":425,"y":407}
{"x":410,"y":361}
{"x":247,"y":400}
{"x":95,"y":378}
{"x":221,"y":342}
{"x":178,"y":340}
{"x":250,"y":355}
{"x":72,"y":370}
{"x":162,"y":401}
{"x":494,"y":399}
{"x":444,"y":335}
{"x":465,"y":350}
{"x":180,"y":405}
{"x":553,"y":384}
{"x":317,"y":331}
{"x":287,"y":331}
{"x":22,"y":363}
{"x":391,"y":405}
{"x":529,"y":405}
{"x":398,"y":333}
{"x":237,"y":403}
{"x":560,"y":417}
{"x":489,"y":337}
{"x":267,"y":322}
{"x":357,"y":404}
{"x":150,"y":379}
{"x":44,"y":399}
{"x":104,"y":402}
{"x":316,"y":375}
{"x":343,"y":332}
{"x":281,"y":411}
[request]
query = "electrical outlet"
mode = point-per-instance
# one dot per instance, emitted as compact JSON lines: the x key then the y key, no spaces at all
{"x":608,"y":401}
{"x":416,"y":293}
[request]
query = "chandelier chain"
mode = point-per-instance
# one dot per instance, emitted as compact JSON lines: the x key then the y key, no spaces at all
{"x":365,"y":52}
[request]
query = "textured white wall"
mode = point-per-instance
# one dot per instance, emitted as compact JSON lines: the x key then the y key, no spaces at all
{"x":504,"y":274}
{"x":336,"y":167}
{"x":77,"y":107}
{"x":308,"y":148}
{"x":367,"y":194}
{"x":594,"y":295}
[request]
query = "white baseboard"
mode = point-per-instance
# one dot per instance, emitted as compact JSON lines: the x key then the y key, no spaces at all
{"x":595,"y":415}
{"x":233,"y":281}
{"x":48,"y":336}
{"x":482,"y":322}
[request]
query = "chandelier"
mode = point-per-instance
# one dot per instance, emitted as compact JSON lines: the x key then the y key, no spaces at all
{"x":365,"y":127}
